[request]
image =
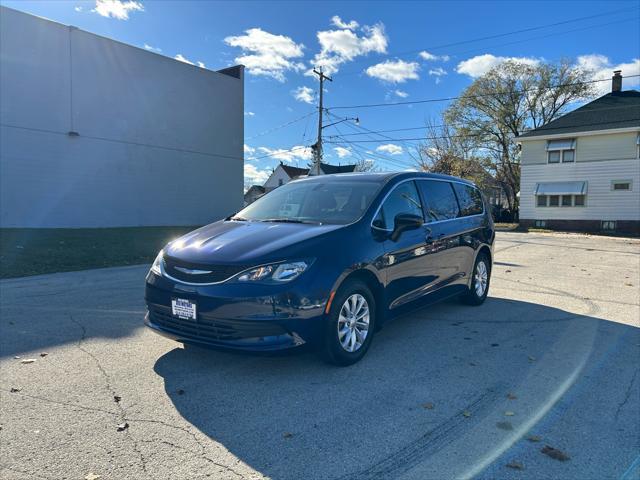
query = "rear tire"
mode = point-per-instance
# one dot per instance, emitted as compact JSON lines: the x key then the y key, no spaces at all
{"x":350,"y":324}
{"x":480,"y":280}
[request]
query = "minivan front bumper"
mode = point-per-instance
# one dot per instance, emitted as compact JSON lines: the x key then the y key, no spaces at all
{"x":239,"y":317}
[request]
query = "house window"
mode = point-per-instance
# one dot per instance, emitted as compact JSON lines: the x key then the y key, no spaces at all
{"x":542,"y":200}
{"x":578,"y":200}
{"x":561,"y":150}
{"x":609,"y":225}
{"x":540,"y":223}
{"x":566,"y":200}
{"x":560,"y":200}
{"x":280,"y":182}
{"x":621,"y":185}
{"x":554,"y":200}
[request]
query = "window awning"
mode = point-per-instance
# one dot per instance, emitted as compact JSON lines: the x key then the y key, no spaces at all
{"x":566,"y":144}
{"x":561,"y":188}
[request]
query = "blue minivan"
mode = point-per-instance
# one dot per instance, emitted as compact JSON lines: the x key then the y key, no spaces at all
{"x":324,"y":260}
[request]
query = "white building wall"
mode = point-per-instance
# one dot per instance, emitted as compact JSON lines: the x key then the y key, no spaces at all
{"x":274,"y":179}
{"x":159,"y":142}
{"x":602,"y":203}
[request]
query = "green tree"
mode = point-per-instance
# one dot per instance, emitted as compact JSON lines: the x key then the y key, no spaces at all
{"x":510,"y":99}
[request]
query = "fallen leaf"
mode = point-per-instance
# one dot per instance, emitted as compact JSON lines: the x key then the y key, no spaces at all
{"x":532,"y":358}
{"x":92,"y":476}
{"x":507,"y":271}
{"x":555,"y":453}
{"x":428,"y":405}
{"x":287,"y":435}
{"x":629,"y":284}
{"x":14,"y":390}
{"x":534,"y":438}
{"x":509,"y":414}
{"x":44,"y":354}
{"x":473,"y":364}
{"x":117,"y":398}
{"x":504,"y":425}
{"x":511,"y":396}
{"x":466,"y":413}
{"x":122,"y":427}
{"x":180,"y":392}
{"x":28,"y":360}
{"x":515,"y":465}
{"x":495,"y":344}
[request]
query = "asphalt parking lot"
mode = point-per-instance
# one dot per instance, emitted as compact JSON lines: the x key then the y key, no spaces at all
{"x":450,"y":391}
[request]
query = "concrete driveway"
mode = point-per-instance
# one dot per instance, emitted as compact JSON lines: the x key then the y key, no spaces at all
{"x":450,"y":391}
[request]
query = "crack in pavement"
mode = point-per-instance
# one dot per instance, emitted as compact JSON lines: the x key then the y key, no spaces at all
{"x":122,"y":414}
{"x":627,"y":395}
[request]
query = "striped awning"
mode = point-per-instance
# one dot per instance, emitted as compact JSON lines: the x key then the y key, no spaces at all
{"x":561,"y":188}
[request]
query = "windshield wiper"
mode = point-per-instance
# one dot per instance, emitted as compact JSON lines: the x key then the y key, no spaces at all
{"x":286,"y":220}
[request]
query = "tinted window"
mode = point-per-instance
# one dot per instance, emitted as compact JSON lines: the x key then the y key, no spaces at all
{"x":313,"y":201}
{"x":469,"y":199}
{"x":441,"y":201}
{"x":403,"y":199}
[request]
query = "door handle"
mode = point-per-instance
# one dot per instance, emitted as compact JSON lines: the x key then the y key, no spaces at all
{"x":427,"y":235}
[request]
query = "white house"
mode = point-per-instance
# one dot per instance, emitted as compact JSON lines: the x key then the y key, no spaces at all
{"x":98,"y":133}
{"x":582,"y":170}
{"x":283,"y":174}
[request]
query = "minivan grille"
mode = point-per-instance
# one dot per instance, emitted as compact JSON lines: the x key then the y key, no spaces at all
{"x":218,"y":273}
{"x":212,"y":329}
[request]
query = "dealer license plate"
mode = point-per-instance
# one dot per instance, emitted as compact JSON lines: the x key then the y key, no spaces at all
{"x":184,"y":309}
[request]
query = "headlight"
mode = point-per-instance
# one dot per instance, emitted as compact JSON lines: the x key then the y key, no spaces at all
{"x":157,"y":264}
{"x":277,"y":272}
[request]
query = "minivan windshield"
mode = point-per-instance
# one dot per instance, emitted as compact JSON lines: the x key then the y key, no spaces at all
{"x":330,"y":202}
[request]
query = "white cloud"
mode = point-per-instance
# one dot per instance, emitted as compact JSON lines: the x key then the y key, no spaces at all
{"x":249,"y":114}
{"x":603,"y":69}
{"x":343,"y":45}
{"x":394,"y":71}
{"x":437,"y":72}
{"x":342,"y":152}
{"x":430,"y":57}
{"x":390,"y":148}
{"x":249,"y":151}
{"x":337,"y":21}
{"x":481,"y":64}
{"x":297,"y":152}
{"x":303,"y":94}
{"x":152,"y":49}
{"x":78,"y":8}
{"x":117,"y":8}
{"x":255,"y":176}
{"x":181,"y":58}
{"x":401,"y":93}
{"x":267,"y":54}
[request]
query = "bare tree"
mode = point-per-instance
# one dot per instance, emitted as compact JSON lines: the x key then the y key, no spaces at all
{"x":504,"y":103}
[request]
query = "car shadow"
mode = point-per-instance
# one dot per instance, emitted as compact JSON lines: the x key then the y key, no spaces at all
{"x":429,"y":397}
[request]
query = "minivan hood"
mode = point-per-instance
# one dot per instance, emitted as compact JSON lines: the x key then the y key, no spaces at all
{"x":243,"y":242}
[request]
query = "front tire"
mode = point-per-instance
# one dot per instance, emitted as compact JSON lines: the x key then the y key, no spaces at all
{"x":350,"y":324}
{"x":481,"y":277}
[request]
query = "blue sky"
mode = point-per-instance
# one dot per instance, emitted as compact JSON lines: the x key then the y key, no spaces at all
{"x":376,"y":52}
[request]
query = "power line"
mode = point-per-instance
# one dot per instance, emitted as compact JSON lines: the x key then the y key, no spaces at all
{"x":448,"y":99}
{"x":425,"y":127}
{"x":505,"y":34}
{"x":274,"y":129}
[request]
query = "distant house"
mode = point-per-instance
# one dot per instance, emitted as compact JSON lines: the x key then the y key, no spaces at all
{"x":283,"y":174}
{"x":582,"y":170}
{"x":254,"y":193}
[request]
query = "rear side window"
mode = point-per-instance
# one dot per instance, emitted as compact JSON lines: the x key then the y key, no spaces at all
{"x":440,"y":199}
{"x":402,"y":199}
{"x":469,"y":198}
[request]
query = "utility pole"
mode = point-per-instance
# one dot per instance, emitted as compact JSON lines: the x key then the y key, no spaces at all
{"x":318,"y":149}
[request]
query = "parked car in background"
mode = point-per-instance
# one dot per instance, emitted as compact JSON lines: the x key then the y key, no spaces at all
{"x":325,"y":260}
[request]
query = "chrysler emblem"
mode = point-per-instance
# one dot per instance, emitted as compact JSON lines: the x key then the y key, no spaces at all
{"x":190,"y":271}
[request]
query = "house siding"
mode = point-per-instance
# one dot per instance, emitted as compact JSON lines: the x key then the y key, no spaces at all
{"x":602,"y":203}
{"x":621,"y":146}
{"x":274,"y":180}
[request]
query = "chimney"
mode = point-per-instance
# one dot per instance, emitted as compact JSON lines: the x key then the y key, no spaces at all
{"x":616,"y":81}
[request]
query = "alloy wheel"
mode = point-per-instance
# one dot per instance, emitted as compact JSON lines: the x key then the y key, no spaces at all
{"x":481,"y":278}
{"x":353,"y":323}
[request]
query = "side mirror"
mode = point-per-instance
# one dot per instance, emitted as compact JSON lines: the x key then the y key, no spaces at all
{"x":403,"y":222}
